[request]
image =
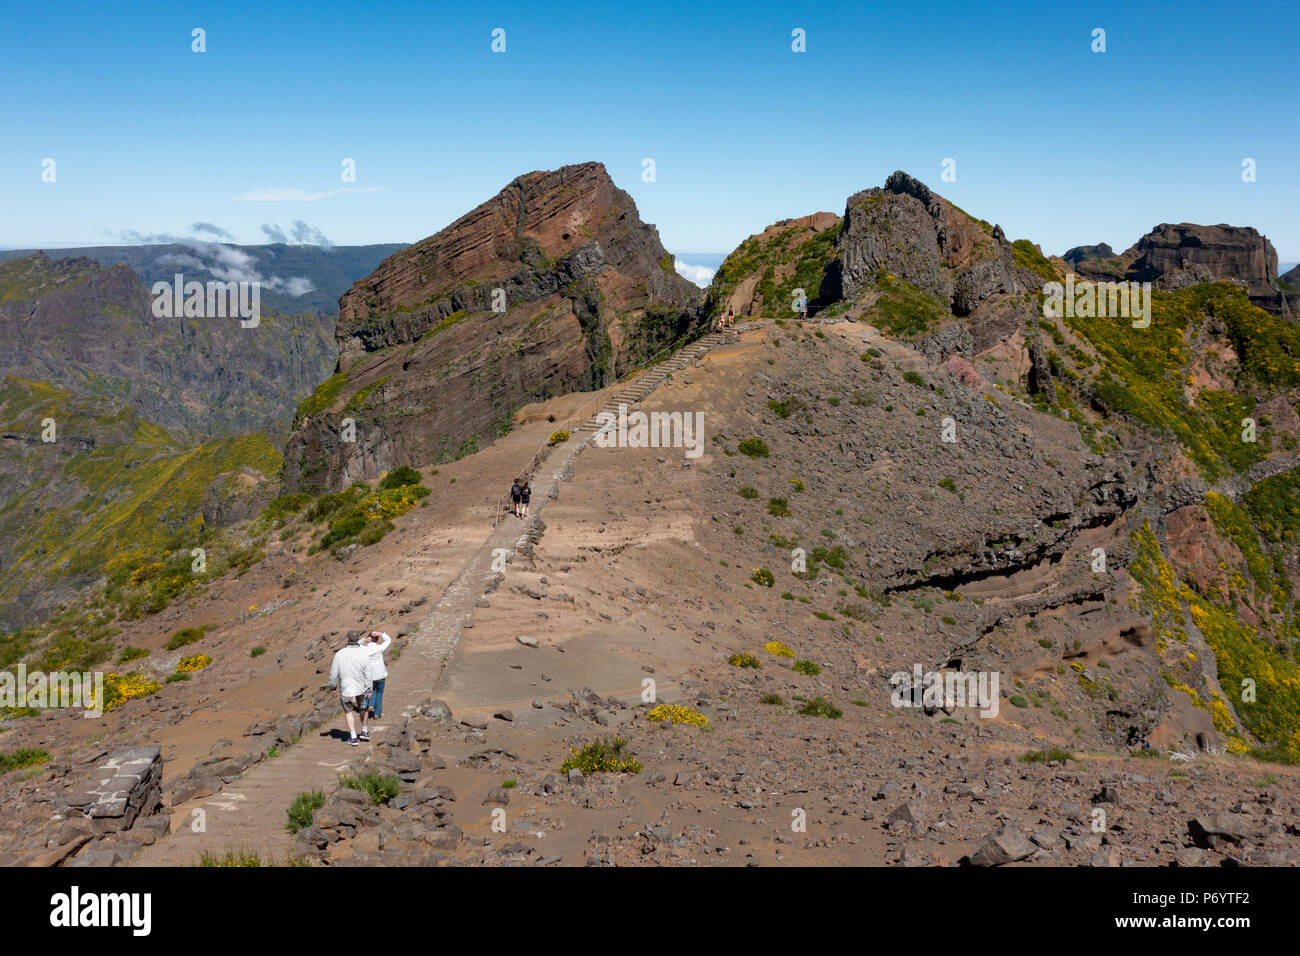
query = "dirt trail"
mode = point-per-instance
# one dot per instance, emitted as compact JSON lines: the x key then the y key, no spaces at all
{"x":250,"y":812}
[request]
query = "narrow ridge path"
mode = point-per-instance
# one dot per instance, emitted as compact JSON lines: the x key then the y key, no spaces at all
{"x":250,"y":813}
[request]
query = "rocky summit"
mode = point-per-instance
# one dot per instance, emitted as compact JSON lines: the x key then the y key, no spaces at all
{"x":1175,"y":256}
{"x":551,"y":286}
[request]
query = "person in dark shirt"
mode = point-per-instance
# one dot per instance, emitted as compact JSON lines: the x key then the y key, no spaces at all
{"x":526,"y":496}
{"x":516,"y":492}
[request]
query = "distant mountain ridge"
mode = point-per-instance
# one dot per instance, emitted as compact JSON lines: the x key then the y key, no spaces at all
{"x":91,"y":330}
{"x":329,"y":271}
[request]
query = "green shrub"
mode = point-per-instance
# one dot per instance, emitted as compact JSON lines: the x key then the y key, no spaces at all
{"x":285,"y":507}
{"x":257,"y":652}
{"x":779,"y":507}
{"x":186,"y":636}
{"x":772,"y":699}
{"x":913,"y":378}
{"x":748,"y":493}
{"x":400,"y":477}
{"x":173,"y":678}
{"x":754,"y":448}
{"x":233,"y":858}
{"x":131,"y":653}
{"x":744,"y":659}
{"x":763,"y":576}
{"x":303,"y":807}
{"x":821,"y":707}
{"x":1046,"y":756}
{"x":381,"y":787}
{"x":23,"y":757}
{"x":807,"y":667}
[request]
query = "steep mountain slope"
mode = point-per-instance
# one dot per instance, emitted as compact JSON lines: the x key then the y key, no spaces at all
{"x":551,"y":286}
{"x":160,"y":427}
{"x":1203,"y":402}
{"x":108,"y":492}
{"x":92,"y":330}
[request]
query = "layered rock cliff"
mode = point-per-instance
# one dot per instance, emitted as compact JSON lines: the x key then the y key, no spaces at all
{"x":553,"y":285}
{"x":1184,"y":254}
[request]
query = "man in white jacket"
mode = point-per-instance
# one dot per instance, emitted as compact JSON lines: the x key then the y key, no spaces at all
{"x":350,"y":672}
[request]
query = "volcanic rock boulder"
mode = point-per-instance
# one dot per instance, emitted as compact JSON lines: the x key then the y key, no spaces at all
{"x":553,"y":285}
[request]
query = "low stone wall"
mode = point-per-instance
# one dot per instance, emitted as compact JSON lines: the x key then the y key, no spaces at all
{"x":125,"y":786}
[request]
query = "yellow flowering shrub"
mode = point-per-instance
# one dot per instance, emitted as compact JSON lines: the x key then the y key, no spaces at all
{"x":744,"y":659}
{"x":607,"y":755}
{"x":195,"y":662}
{"x":119,"y":688}
{"x":678,"y":715}
{"x":777,"y":648}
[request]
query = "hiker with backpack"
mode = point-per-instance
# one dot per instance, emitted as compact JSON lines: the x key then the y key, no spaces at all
{"x":516,"y":491}
{"x":350,"y":672}
{"x":375,"y":644}
{"x":525,"y":496}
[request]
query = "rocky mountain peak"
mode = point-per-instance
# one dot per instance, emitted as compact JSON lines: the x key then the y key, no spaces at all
{"x":554,"y":284}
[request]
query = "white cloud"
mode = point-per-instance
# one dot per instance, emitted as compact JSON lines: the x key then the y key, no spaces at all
{"x":700,"y":275}
{"x":299,"y":195}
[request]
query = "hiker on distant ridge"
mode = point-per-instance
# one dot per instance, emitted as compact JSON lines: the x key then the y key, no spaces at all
{"x":525,"y":496}
{"x":516,"y":490}
{"x":375,"y":643}
{"x":350,"y":672}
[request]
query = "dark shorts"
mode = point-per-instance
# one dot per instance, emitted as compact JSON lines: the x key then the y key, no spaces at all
{"x":514,"y":499}
{"x":353,"y":705}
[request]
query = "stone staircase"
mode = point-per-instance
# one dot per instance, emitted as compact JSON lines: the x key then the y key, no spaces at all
{"x":636,"y":391}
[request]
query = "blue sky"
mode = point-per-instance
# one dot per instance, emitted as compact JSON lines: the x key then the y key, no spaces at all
{"x":1054,"y":142}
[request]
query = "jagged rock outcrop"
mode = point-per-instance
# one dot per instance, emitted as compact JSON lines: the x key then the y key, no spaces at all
{"x":553,"y":285}
{"x":905,"y":230}
{"x":1176,"y":256}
